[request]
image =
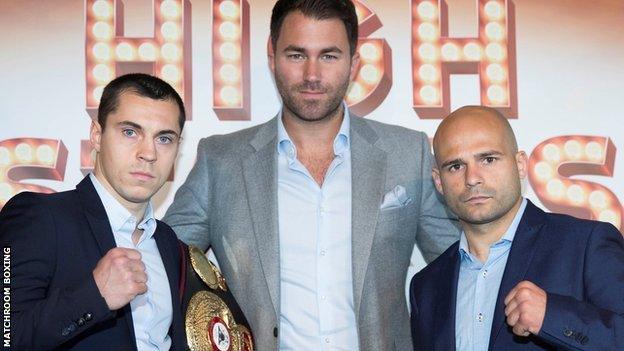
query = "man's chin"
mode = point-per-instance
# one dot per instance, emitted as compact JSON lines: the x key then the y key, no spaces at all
{"x":314,"y":113}
{"x":312,"y":118}
{"x":140,"y":195}
{"x":481,"y":217}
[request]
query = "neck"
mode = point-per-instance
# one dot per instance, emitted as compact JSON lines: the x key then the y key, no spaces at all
{"x":307,"y":135}
{"x":137,"y":209}
{"x":481,"y":236}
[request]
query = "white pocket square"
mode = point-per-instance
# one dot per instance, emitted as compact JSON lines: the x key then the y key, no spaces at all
{"x":395,"y":198}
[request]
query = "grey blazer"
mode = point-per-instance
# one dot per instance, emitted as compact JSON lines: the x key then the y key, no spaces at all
{"x":229,"y":203}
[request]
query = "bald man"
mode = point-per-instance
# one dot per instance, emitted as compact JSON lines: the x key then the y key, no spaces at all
{"x":518,"y":278}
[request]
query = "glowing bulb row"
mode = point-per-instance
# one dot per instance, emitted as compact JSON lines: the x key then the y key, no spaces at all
{"x":429,"y":68}
{"x":47,"y":156}
{"x":370,"y":72}
{"x":228,"y":40}
{"x":471,"y":51}
{"x":496,"y":53}
{"x":125,"y":51}
{"x":169,"y":30}
{"x":103,"y":10}
{"x":577,"y":194}
{"x":574,"y":150}
{"x":574,"y":194}
{"x":548,"y":184}
{"x":431,"y":51}
{"x":25,"y":153}
{"x":165,"y":50}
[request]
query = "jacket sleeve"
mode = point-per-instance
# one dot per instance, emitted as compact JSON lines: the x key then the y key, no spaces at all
{"x":438,"y":227}
{"x":42,"y":317}
{"x":416,"y":337}
{"x":189,"y":214}
{"x":597,"y":323}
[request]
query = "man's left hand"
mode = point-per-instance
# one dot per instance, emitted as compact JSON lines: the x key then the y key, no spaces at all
{"x":525,"y":308}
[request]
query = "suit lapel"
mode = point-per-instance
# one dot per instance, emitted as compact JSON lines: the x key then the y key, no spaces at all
{"x":260,"y":177}
{"x":171,"y":262}
{"x":168,"y":257}
{"x":444,"y":315}
{"x":518,"y":262}
{"x":368,"y":174}
{"x":101,"y":230}
{"x":96,"y":215}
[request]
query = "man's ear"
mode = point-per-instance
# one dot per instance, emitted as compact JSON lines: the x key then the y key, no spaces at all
{"x":271,"y":55}
{"x":437,"y":181}
{"x":522,"y":162}
{"x":355,"y":65}
{"x":95,"y":135}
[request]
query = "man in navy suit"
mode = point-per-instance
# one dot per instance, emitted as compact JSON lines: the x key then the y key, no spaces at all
{"x":91,"y":268}
{"x":519,"y":278}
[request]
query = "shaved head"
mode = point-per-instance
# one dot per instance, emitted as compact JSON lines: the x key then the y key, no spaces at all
{"x":478,"y":166}
{"x":468,"y":118}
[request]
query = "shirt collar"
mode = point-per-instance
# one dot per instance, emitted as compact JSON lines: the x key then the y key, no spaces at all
{"x":341,"y":141}
{"x":508,"y":237}
{"x":119,"y":217}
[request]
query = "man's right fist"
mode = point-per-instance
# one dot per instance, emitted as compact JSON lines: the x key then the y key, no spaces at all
{"x":120,"y":276}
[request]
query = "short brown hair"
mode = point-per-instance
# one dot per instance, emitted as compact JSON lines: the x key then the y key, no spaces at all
{"x":317,"y":9}
{"x":142,"y":85}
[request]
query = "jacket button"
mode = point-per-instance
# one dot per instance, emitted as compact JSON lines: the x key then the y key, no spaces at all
{"x":87,"y":316}
{"x":69,"y":329}
{"x":584,"y":340}
{"x":275,"y":332}
{"x":568,"y":333}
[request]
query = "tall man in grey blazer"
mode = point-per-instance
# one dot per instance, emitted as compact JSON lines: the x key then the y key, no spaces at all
{"x":314,"y":214}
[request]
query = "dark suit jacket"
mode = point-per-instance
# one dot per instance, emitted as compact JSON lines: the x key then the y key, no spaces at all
{"x":579,"y":263}
{"x":55,"y":243}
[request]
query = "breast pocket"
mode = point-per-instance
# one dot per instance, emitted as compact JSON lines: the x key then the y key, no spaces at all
{"x":398,"y":213}
{"x":396,"y":228}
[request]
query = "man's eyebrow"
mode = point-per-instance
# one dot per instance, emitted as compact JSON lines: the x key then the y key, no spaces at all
{"x":331,"y":49}
{"x":461,"y":161}
{"x":304,"y":50}
{"x":130,"y":124}
{"x":167,"y":131}
{"x":488,"y":153}
{"x":139,"y":128}
{"x":294,"y":48}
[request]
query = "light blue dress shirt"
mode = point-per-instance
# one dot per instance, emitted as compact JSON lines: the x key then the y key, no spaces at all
{"x":316,"y":286}
{"x":477,"y":289}
{"x":151,"y":311}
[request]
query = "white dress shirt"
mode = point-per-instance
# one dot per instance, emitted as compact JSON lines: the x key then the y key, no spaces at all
{"x":477,"y":289}
{"x":316,"y":287}
{"x":151,"y":311}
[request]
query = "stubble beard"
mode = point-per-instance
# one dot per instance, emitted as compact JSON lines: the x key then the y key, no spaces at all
{"x":311,"y":110}
{"x":498,"y":209}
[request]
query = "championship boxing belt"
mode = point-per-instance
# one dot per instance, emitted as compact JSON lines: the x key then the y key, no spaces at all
{"x":213,"y":319}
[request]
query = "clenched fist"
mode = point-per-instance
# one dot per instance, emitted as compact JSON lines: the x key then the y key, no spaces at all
{"x":120,"y":276}
{"x":525,"y":308}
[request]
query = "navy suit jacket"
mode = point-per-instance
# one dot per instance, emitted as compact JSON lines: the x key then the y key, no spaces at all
{"x":579,"y":263}
{"x":55,"y":243}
